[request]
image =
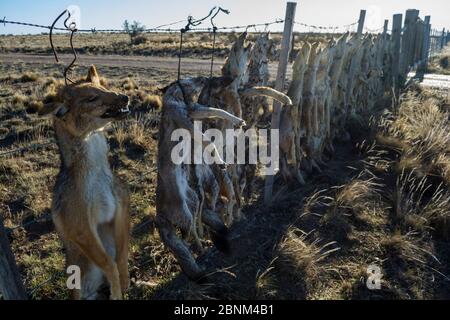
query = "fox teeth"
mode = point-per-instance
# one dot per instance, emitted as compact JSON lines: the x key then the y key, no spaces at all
{"x":124,"y":109}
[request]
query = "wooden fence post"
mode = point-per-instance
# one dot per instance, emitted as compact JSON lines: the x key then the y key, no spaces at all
{"x":432,"y":43}
{"x":385,"y":28}
{"x":10,"y":282}
{"x":362,"y":18}
{"x":396,"y":39}
{"x":425,"y":44}
{"x":408,"y":41}
{"x":420,"y":32}
{"x":279,"y":84}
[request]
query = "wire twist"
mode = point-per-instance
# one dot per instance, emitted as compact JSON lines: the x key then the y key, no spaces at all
{"x":194,"y":23}
{"x":72,"y":27}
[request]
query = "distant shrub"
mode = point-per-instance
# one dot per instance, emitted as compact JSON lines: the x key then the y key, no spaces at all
{"x":34,"y":106}
{"x":138,"y":40}
{"x":129,"y":84}
{"x":28,"y":77}
{"x":205,"y":37}
{"x":19,"y":99}
{"x":167,"y":40}
{"x":153,"y":102}
{"x":134,"y":30}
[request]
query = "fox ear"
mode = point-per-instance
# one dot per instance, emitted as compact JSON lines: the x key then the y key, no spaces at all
{"x":93,"y":75}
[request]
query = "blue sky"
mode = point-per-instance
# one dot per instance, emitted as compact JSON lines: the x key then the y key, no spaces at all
{"x":112,"y":13}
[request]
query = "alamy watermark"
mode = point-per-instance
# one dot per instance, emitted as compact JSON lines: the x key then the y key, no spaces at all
{"x":236,"y":146}
{"x":73,"y":281}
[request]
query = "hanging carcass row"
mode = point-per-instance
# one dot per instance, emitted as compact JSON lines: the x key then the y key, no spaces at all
{"x":332,"y":84}
{"x":256,"y":109}
{"x":191,"y":195}
{"x":290,"y":129}
{"x":242,"y":95}
{"x":337,"y":89}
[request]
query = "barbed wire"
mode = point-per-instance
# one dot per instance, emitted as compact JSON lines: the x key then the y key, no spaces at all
{"x":160,"y":28}
{"x":334,"y":28}
{"x":374,"y":30}
{"x":163,"y":28}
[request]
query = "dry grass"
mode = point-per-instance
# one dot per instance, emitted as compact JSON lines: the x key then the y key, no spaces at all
{"x":407,"y":247}
{"x":389,"y":215}
{"x":301,"y":257}
{"x":440,"y":64}
{"x":420,"y":132}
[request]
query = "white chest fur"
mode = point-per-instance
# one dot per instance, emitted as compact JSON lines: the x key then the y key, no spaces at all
{"x":98,"y":183}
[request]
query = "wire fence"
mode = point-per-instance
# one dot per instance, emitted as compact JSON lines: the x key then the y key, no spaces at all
{"x":163,"y":28}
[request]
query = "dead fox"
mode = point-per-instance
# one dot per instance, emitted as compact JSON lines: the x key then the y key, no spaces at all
{"x":90,"y":206}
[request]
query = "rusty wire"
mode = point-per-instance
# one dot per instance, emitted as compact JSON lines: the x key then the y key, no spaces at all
{"x":72,"y":28}
{"x":194,"y":23}
{"x":51,"y":34}
{"x":148,"y":30}
{"x":214,"y":31}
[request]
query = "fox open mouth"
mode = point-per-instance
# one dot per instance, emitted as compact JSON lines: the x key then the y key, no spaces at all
{"x":116,"y":113}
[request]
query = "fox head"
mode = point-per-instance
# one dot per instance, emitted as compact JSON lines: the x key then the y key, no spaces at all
{"x":87,"y":106}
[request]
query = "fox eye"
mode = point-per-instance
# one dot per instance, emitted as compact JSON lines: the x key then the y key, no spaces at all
{"x":93,"y":98}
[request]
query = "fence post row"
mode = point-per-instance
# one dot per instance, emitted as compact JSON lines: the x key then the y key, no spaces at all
{"x":10,"y":282}
{"x":279,"y":84}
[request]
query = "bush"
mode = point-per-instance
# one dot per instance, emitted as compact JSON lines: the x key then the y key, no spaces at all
{"x":152,"y":102}
{"x":138,"y":40}
{"x":28,"y":77}
{"x":205,"y":38}
{"x":134,"y":30}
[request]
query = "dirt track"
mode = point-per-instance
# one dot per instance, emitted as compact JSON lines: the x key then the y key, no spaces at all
{"x":146,"y":62}
{"x":192,"y":65}
{"x":162,"y":63}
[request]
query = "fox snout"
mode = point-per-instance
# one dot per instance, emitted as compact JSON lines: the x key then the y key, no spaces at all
{"x":118,"y":110}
